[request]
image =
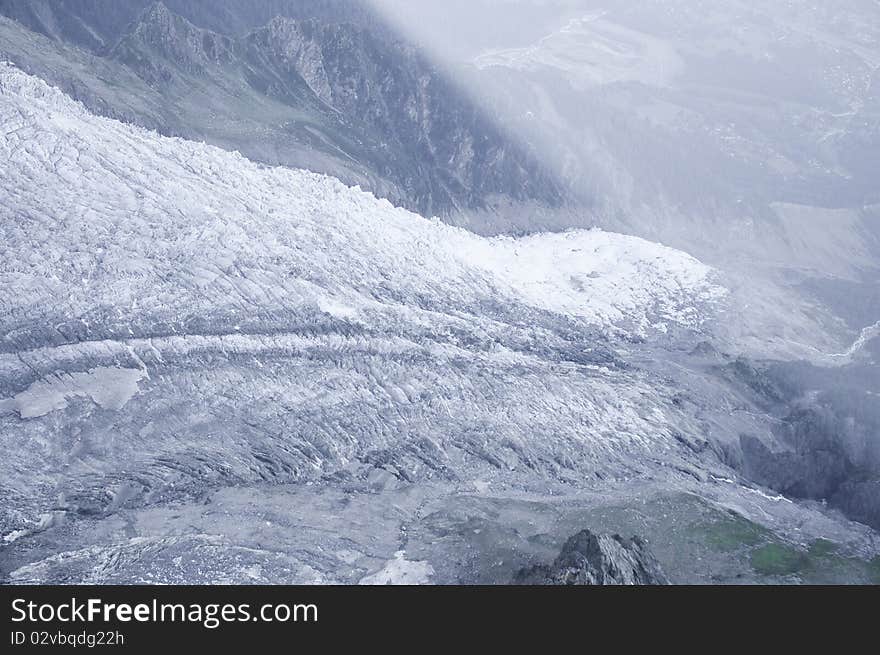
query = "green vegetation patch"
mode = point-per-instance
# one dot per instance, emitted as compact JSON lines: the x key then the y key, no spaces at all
{"x":822,"y":548}
{"x":821,"y":563}
{"x":778,"y":559}
{"x":733,"y":532}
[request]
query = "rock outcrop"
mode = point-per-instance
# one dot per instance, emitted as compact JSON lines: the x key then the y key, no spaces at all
{"x":591,"y":559}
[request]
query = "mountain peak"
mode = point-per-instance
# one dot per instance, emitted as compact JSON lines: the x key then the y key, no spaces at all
{"x":158,"y":11}
{"x":157,"y":19}
{"x":161,"y":34}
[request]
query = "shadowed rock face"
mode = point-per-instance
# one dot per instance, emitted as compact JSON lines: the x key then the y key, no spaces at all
{"x":827,"y":427}
{"x":590,"y":559}
{"x":860,"y":500}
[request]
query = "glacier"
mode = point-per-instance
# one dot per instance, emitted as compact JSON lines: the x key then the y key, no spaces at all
{"x":213,"y":370}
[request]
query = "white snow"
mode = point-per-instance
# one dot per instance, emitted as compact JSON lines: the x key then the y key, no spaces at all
{"x":603,"y":277}
{"x":400,"y":571}
{"x":96,"y":213}
{"x":284,"y":326}
{"x":109,"y":388}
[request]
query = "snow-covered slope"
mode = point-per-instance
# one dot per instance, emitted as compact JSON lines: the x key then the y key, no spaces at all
{"x":214,"y":371}
{"x":175,"y":318}
{"x":100,"y":216}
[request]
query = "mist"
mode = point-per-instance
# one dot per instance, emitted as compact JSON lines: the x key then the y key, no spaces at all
{"x":390,"y":291}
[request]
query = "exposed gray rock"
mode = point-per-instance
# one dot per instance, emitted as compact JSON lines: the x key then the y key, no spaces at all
{"x":590,"y":559}
{"x":860,"y":500}
{"x":825,"y":446}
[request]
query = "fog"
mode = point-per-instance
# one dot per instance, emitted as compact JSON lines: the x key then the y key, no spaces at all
{"x":459,"y":30}
{"x":747,"y":133}
{"x":249,"y":342}
{"x":680,"y":119}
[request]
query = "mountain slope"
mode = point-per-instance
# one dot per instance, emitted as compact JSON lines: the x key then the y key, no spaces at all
{"x":381,"y":115}
{"x":148,"y":244}
{"x":342,"y":239}
{"x":184,"y":328}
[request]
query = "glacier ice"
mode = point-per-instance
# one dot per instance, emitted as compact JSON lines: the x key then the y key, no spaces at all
{"x":178,"y":320}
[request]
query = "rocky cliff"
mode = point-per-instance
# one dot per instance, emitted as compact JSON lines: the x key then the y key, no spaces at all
{"x":591,"y":559}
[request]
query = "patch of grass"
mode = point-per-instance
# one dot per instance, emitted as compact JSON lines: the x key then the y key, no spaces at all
{"x":826,"y":566}
{"x":778,"y":559}
{"x":733,"y":532}
{"x":752,"y":552}
{"x":822,"y":548}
